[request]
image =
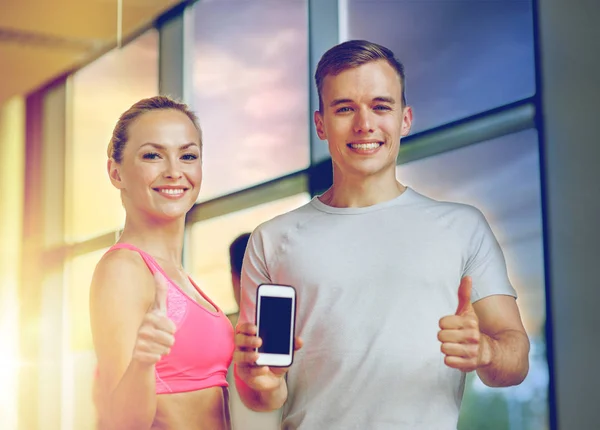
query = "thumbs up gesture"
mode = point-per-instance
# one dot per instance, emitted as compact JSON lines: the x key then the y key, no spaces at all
{"x":155,"y":336}
{"x":459,"y":334}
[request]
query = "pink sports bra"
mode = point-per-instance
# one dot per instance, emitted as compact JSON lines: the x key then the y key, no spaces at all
{"x":204,"y":342}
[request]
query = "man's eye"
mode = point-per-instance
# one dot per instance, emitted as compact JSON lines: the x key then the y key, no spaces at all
{"x":151,"y":156}
{"x":343,"y":109}
{"x":382,"y":107}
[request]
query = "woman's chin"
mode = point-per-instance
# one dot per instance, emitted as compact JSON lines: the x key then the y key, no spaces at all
{"x":170,"y":214}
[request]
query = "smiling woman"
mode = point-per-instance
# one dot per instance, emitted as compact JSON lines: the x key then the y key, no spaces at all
{"x":141,"y":299}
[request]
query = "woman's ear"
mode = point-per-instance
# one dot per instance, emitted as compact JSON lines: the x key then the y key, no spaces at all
{"x":114,"y":173}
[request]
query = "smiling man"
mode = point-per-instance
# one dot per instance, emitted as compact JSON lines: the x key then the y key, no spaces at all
{"x":399,"y":295}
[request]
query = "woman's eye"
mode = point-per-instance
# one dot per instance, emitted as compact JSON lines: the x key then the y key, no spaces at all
{"x":151,"y":156}
{"x":189,"y":157}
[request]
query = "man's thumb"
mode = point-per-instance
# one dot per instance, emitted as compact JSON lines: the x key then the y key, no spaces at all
{"x":464,"y":296}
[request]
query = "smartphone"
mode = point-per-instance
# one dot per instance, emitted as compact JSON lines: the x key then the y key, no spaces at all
{"x":276,"y":322}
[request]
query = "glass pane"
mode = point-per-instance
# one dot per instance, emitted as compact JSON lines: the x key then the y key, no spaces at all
{"x":80,"y":271}
{"x":100,"y":93}
{"x":251,"y":91}
{"x":501,"y":177}
{"x":80,"y":357}
{"x":209,"y":247}
{"x":12,"y":166}
{"x":83,"y":367}
{"x":461,"y":57}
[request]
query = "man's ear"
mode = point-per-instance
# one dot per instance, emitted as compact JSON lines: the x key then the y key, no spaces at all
{"x":407,"y":117}
{"x":114,"y":173}
{"x":319,"y":125}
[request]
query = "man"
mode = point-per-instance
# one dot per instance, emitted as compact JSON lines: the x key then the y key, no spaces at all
{"x":386,"y":277}
{"x":243,"y":418}
{"x":237,"y":249}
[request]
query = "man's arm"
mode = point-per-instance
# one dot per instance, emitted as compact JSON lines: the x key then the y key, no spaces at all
{"x":261,"y":401}
{"x":504,"y":342}
{"x":487,"y":336}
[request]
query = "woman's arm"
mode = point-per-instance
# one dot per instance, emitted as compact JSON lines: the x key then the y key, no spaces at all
{"x":130,"y":334}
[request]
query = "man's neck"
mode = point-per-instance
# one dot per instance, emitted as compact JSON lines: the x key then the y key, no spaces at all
{"x":361,"y":192}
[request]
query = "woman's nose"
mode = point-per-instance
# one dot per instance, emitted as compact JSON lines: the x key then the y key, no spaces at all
{"x":173,"y":170}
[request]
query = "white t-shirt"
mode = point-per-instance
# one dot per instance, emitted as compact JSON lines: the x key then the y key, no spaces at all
{"x":372,"y":284}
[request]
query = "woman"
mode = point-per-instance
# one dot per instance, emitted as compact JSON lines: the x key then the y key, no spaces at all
{"x":163,"y":346}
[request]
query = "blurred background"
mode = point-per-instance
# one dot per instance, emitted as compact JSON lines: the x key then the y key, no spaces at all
{"x":504,"y":94}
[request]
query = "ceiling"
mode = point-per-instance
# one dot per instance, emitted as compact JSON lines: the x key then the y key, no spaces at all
{"x":42,"y":39}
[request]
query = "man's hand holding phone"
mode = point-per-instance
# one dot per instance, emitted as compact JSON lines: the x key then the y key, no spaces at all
{"x":258,"y":378}
{"x":265,"y":351}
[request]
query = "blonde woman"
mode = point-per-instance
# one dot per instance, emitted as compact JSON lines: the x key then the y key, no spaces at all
{"x":163,"y":347}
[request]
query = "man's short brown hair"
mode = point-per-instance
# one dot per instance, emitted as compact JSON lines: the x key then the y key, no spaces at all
{"x":354,"y":53}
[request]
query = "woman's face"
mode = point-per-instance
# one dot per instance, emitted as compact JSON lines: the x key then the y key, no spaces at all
{"x":161,"y":170}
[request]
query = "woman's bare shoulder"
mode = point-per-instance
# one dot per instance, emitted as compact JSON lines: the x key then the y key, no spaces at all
{"x":122,"y":273}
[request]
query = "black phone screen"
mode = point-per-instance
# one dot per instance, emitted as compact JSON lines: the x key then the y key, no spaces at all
{"x":275,"y":323}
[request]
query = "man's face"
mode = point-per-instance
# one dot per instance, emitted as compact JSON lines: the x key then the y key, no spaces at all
{"x":363,"y":119}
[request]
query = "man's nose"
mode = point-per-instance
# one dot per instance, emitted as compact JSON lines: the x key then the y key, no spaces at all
{"x":363,"y":122}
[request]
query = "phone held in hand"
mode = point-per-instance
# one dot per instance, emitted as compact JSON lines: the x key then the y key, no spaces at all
{"x":276,"y":322}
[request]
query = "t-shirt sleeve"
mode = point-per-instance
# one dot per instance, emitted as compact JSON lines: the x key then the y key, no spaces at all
{"x":254,"y":273}
{"x":485,"y":263}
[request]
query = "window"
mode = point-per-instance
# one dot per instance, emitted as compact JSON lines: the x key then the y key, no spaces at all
{"x":80,"y":354}
{"x":251,"y":91}
{"x":209,"y":247}
{"x":101,"y":92}
{"x":501,"y":178}
{"x":12,"y":166}
{"x":80,"y":271}
{"x":461,"y":57}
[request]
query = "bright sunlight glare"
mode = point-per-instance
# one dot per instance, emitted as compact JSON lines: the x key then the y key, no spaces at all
{"x":9,"y":366}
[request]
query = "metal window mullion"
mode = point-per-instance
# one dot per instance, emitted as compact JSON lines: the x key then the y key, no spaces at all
{"x":323,"y":33}
{"x":479,"y":128}
{"x":276,"y":189}
{"x":171,"y":56}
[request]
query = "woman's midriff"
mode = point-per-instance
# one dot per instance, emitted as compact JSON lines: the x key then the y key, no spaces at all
{"x":195,"y":410}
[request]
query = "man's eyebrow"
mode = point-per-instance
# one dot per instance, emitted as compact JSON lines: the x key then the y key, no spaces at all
{"x":384,"y":99}
{"x":339,"y":102}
